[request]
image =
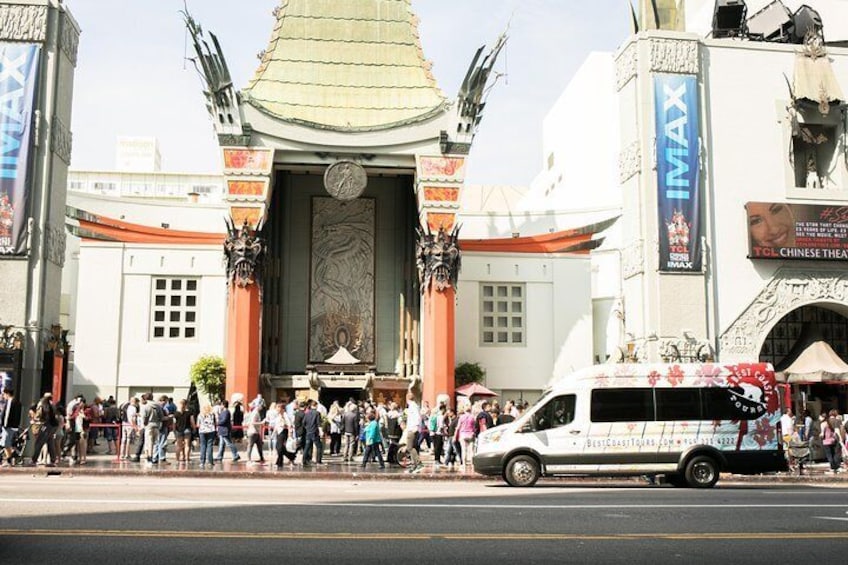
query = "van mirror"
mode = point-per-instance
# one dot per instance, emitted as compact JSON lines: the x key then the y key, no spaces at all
{"x":527,"y":427}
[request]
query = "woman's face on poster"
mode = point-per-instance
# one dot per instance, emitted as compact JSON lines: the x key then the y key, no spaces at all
{"x":771,"y":224}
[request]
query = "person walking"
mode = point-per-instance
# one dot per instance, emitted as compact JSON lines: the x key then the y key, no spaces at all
{"x":451,"y":447}
{"x":465,"y":429}
{"x":184,"y":425}
{"x":39,"y":424}
{"x":335,"y":417}
{"x":830,"y":442}
{"x":206,"y":427}
{"x":393,"y":432}
{"x":373,"y":442}
{"x":10,"y":424}
{"x":311,"y":431}
{"x":284,"y":431}
{"x":437,"y":429}
{"x":350,"y":426}
{"x":224,"y":429}
{"x":253,"y":425}
{"x":413,"y":425}
{"x":129,"y":426}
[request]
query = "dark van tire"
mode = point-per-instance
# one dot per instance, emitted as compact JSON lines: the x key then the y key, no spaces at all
{"x":522,"y":471}
{"x":701,"y":472}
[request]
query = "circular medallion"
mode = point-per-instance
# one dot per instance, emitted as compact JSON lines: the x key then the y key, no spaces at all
{"x":345,"y":180}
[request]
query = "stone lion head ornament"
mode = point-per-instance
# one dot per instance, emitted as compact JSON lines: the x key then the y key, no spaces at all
{"x":245,"y":251}
{"x":438,"y":258}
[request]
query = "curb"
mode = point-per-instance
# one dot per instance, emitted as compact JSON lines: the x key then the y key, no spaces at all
{"x":270,"y":474}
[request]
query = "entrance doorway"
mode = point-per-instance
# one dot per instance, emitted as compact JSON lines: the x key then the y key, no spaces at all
{"x":342,"y":395}
{"x":791,"y":336}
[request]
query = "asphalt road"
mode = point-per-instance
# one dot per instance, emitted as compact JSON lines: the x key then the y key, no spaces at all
{"x":136,"y":519}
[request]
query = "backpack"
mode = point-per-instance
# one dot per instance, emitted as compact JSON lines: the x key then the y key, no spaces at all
{"x":155,"y":415}
{"x":122,"y":412}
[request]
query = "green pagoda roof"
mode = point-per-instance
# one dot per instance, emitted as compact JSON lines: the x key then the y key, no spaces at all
{"x":352,"y":65}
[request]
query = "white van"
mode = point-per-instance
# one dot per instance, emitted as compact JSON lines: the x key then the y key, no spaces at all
{"x":686,"y":422}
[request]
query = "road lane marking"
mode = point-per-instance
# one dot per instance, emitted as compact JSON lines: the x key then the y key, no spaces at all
{"x":389,"y":505}
{"x":831,"y":518}
{"x":170,"y":534}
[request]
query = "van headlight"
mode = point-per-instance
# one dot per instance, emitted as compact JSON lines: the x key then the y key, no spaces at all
{"x":493,"y":436}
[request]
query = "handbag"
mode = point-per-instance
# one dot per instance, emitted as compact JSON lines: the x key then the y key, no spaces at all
{"x":291,"y":443}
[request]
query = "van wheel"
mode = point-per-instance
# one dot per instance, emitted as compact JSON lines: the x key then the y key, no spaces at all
{"x":701,"y":472}
{"x":522,"y":471}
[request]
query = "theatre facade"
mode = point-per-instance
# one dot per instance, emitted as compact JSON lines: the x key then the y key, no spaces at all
{"x":344,"y":170}
{"x":734,"y":179}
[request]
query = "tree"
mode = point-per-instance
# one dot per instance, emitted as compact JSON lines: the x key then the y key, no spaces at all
{"x":466,"y":373}
{"x":209,"y":374}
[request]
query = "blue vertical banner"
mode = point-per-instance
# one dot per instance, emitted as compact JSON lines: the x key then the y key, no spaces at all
{"x":18,"y":77}
{"x":678,"y":178}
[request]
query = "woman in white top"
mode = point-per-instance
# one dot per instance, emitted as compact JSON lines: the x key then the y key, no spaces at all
{"x":206,"y":427}
{"x":285,"y":430}
{"x":253,"y":426}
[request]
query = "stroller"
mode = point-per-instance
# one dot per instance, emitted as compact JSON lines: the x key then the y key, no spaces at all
{"x":18,"y":448}
{"x":799,"y":454}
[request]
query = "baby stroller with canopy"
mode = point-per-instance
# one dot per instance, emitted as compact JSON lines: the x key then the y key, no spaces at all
{"x":799,"y":454}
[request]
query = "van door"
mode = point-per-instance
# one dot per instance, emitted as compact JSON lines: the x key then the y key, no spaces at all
{"x":558,"y":433}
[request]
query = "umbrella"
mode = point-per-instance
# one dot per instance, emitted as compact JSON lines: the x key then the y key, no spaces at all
{"x":475,"y":389}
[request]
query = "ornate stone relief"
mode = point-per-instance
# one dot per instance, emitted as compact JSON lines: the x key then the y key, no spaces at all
{"x":23,"y":23}
{"x":788,"y":290}
{"x":674,"y":56}
{"x":438,"y":258}
{"x":625,"y":66}
{"x":245,"y":252}
{"x":685,"y":350}
{"x":62,"y":140}
{"x":632,"y":259}
{"x":69,"y":39}
{"x":55,"y":241}
{"x":629,"y":161}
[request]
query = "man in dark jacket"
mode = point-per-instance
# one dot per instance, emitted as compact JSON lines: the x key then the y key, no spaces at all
{"x":9,"y":425}
{"x":350,"y":426}
{"x":311,"y":431}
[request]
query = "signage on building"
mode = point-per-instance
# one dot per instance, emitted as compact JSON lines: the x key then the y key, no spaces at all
{"x":18,"y":73}
{"x":777,"y":230}
{"x":678,"y":196}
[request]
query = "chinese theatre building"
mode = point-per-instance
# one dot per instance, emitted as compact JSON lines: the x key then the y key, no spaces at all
{"x":344,"y":165}
{"x":344,"y":173}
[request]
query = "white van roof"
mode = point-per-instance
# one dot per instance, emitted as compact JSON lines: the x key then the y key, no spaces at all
{"x":662,"y":370}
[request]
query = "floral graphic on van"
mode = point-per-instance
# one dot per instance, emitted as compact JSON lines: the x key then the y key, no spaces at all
{"x":764,"y":433}
{"x":653,"y":378}
{"x":675,"y":375}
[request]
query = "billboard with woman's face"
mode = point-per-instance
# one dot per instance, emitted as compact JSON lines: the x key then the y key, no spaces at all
{"x":778,"y":230}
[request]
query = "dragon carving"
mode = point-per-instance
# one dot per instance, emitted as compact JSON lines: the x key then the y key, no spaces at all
{"x":438,"y":258}
{"x":245,"y":252}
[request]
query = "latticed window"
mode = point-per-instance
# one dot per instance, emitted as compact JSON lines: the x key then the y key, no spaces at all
{"x":502,"y":319}
{"x":173,"y":313}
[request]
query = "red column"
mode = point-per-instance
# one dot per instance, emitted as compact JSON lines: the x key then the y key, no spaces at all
{"x":439,"y":343}
{"x":243,"y":347}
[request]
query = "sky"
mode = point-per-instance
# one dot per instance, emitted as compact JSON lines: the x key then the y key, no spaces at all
{"x":132,"y":78}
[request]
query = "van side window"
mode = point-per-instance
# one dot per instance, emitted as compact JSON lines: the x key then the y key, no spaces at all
{"x":678,"y":404}
{"x":717,"y":404}
{"x":623,"y":405}
{"x":556,"y":413}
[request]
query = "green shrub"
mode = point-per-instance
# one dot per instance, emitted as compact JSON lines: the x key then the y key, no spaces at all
{"x":469,"y":373}
{"x":209,"y":374}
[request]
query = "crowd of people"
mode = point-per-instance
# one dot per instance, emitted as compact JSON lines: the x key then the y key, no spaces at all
{"x":829,"y":433}
{"x":295,"y":432}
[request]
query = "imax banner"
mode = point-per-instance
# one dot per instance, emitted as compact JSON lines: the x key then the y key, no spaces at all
{"x":18,"y":72}
{"x":676,"y":107}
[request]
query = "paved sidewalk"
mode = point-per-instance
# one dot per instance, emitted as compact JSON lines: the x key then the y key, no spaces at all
{"x":334,"y":468}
